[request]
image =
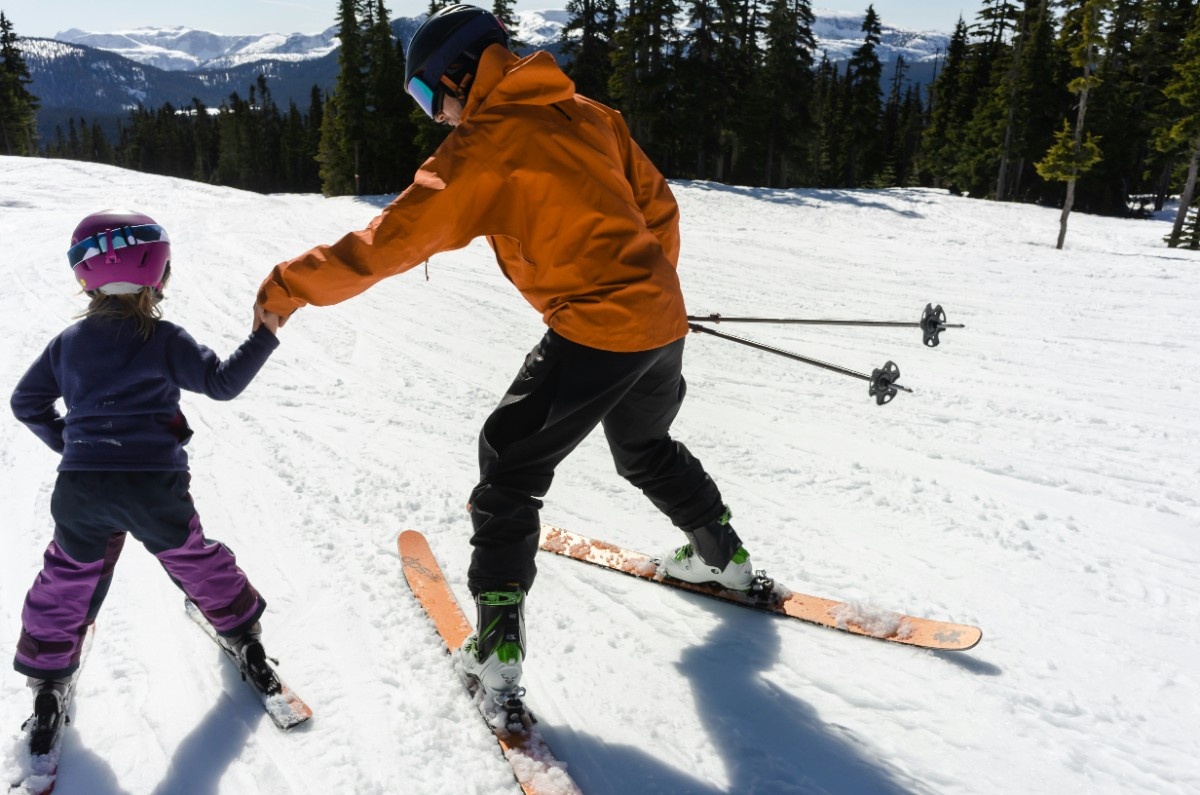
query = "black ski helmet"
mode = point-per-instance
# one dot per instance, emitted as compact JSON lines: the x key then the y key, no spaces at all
{"x":448,"y":43}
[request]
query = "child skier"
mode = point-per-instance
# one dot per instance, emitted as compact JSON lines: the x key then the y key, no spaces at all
{"x":119,"y":371}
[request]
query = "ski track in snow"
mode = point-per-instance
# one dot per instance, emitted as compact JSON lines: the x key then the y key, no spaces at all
{"x":1040,"y":482}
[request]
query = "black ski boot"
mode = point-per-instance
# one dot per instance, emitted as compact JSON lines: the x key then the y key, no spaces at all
{"x":50,"y":701}
{"x":253,"y":661}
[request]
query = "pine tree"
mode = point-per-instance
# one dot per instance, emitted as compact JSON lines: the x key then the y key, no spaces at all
{"x":825,"y":149}
{"x":1041,"y":96}
{"x":1014,"y":92}
{"x":18,"y":107}
{"x":864,"y":107}
{"x":643,"y":82}
{"x":786,"y":80}
{"x":1183,"y":91}
{"x":207,"y":143}
{"x":707,"y":92}
{"x":1071,"y":155}
{"x":949,"y":111}
{"x":1158,"y":50}
{"x":389,"y":149}
{"x":506,"y":13}
{"x":587,"y":40}
{"x":981,"y":153}
{"x":341,"y":152}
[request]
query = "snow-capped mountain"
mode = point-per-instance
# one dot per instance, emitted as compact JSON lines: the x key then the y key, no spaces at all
{"x":838,"y":34}
{"x":185,"y":49}
{"x":101,"y":76}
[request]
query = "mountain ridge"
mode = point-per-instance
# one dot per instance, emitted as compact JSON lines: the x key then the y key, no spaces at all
{"x":103,"y":76}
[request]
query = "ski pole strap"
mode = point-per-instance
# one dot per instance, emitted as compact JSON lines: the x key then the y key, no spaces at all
{"x":883,"y":386}
{"x":932,"y":322}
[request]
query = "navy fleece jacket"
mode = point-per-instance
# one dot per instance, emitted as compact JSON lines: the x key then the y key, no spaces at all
{"x":122,"y":392}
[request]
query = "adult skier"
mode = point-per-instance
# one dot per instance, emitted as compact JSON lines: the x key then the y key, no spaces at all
{"x":585,"y":226}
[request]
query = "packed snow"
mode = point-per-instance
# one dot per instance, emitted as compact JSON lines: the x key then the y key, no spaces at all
{"x":1039,"y":482}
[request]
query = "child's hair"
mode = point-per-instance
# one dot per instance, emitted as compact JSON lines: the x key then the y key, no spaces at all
{"x":141,"y":306}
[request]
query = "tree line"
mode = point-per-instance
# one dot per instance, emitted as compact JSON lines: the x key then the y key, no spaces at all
{"x":1081,"y":104}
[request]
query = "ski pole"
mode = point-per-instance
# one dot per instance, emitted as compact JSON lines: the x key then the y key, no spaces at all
{"x":882,"y":380}
{"x":932,"y":323}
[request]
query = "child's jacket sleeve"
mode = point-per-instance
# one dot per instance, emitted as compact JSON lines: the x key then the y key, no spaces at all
{"x":33,"y":402}
{"x":196,"y":368}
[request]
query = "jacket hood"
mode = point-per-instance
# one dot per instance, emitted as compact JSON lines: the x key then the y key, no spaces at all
{"x":505,"y":79}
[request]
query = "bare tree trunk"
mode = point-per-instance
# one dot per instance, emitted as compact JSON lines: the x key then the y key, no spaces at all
{"x":1070,"y":200}
{"x":1189,"y":191}
{"x":1066,"y":213}
{"x":1083,"y":100}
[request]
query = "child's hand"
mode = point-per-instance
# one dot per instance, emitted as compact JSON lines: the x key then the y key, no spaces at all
{"x":269,"y":319}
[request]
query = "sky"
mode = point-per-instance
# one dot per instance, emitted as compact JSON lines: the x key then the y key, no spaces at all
{"x":1039,"y":482}
{"x":45,"y":19}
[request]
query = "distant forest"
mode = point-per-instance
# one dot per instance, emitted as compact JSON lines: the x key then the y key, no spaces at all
{"x":1085,"y":104}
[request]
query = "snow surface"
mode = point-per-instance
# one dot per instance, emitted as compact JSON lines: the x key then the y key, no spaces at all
{"x":1040,"y":482}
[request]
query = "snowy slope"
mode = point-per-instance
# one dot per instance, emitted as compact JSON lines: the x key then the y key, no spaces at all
{"x":1040,"y":482}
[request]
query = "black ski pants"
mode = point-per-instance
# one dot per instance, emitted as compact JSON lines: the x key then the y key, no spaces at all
{"x":563,"y":391}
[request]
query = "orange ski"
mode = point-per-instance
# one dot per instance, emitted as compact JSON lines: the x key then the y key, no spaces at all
{"x":534,"y":765}
{"x":845,"y":616}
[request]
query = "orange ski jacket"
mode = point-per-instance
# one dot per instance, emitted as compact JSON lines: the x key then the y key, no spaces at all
{"x":580,"y":220}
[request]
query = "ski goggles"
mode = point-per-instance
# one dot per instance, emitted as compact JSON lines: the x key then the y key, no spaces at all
{"x":423,"y":95}
{"x":114,"y":240}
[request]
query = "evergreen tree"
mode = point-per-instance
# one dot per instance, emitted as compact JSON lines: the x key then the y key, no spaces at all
{"x":642,"y":83}
{"x":18,"y":107}
{"x":908,"y":140}
{"x":826,"y":152}
{"x":343,"y":133}
{"x":950,"y":108}
{"x":707,"y":92}
{"x":786,"y":81}
{"x":981,"y":153}
{"x":741,"y":52}
{"x":336,"y":165}
{"x":389,"y":149}
{"x":1183,"y":92}
{"x":1039,"y":99}
{"x":864,"y":106}
{"x":1123,"y":105}
{"x":1071,"y":155}
{"x":207,"y":143}
{"x":505,"y":11}
{"x":587,"y":40}
{"x":1014,"y":92}
{"x":1167,"y":23}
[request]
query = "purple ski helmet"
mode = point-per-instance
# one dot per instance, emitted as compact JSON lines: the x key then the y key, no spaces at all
{"x":117,"y":252}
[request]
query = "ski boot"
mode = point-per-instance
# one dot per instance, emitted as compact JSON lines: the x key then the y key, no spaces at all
{"x":714,"y":554}
{"x":252,"y":660}
{"x":50,"y":701}
{"x":492,"y":656}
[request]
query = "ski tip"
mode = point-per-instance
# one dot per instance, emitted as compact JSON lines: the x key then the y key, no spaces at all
{"x":411,"y":542}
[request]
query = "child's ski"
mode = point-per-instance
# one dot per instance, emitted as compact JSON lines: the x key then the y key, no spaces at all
{"x":286,"y":708}
{"x":534,"y":765}
{"x":44,"y":736}
{"x":847,"y":617}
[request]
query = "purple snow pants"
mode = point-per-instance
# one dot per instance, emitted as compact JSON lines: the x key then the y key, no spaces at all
{"x":92,"y":513}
